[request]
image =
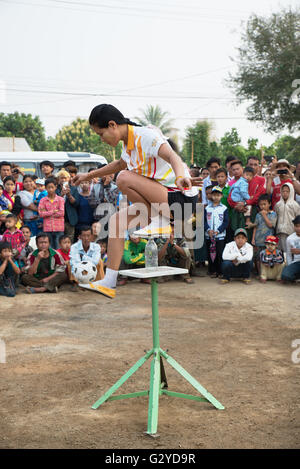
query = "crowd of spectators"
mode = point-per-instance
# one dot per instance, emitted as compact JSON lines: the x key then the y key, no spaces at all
{"x":48,"y":225}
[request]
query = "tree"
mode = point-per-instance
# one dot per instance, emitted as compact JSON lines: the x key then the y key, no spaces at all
{"x":24,"y":126}
{"x":78,"y":136}
{"x":155,"y":116}
{"x":287,"y":147}
{"x":196,"y":145}
{"x":268,"y":69}
{"x":230,"y":144}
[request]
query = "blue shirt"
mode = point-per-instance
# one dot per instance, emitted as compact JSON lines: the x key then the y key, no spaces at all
{"x":239,"y":191}
{"x":262,"y":230}
{"x":78,"y":254}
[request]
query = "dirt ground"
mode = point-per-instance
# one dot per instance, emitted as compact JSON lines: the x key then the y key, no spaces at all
{"x":63,"y":351}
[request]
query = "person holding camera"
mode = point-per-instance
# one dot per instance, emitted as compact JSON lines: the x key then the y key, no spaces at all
{"x":16,"y":172}
{"x":281,"y":173}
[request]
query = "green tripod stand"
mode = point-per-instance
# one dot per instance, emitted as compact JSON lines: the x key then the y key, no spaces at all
{"x":158,"y":382}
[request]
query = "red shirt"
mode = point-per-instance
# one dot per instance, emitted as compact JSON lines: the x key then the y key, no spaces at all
{"x":255,"y":189}
{"x":65,"y":256}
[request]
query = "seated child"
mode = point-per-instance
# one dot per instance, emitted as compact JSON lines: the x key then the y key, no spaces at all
{"x":133,"y":256}
{"x":237,"y":258}
{"x":292,"y":271}
{"x":103,"y":247}
{"x":239,"y":190}
{"x":22,"y":261}
{"x":9,"y":271}
{"x":13,"y":235}
{"x":64,"y":250}
{"x":271,"y":260}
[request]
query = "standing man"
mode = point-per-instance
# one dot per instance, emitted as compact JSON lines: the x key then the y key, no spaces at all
{"x":281,"y":173}
{"x":5,"y":170}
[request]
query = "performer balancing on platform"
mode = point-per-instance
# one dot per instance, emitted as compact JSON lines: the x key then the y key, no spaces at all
{"x":149,"y":173}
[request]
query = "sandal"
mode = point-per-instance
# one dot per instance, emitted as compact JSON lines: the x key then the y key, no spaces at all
{"x":246,"y":281}
{"x":188,"y":280}
{"x":223,"y":281}
{"x":30,"y":290}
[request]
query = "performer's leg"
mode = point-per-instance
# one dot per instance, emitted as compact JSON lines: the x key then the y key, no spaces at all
{"x":146,"y":191}
{"x":140,"y":189}
{"x":118,"y":225}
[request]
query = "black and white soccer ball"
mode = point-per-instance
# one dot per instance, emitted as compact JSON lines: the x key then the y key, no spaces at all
{"x":85,"y":272}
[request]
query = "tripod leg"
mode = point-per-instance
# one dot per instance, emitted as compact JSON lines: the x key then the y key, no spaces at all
{"x":122,"y":380}
{"x":192,"y":381}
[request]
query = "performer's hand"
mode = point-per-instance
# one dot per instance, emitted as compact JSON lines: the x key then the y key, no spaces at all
{"x":184,"y":183}
{"x":79,"y":178}
{"x":197,"y":181}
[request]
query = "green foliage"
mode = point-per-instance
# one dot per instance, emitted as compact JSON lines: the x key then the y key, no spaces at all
{"x":287,"y":147}
{"x":78,"y":136}
{"x":155,"y":116}
{"x":268,"y":63}
{"x":24,"y":126}
{"x":197,"y":140}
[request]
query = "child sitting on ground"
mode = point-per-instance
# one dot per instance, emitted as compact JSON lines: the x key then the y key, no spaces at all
{"x":271,"y":260}
{"x":292,"y":271}
{"x":28,"y":249}
{"x":65,"y":248}
{"x":239,"y":190}
{"x":103,"y":247}
{"x":287,"y":209}
{"x":9,"y":271}
{"x":13,"y":235}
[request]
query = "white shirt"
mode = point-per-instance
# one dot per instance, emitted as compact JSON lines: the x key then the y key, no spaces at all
{"x":141,"y":156}
{"x":242,"y":255}
{"x":292,"y":241}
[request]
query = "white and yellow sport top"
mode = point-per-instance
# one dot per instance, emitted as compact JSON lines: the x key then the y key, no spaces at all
{"x":141,"y":156}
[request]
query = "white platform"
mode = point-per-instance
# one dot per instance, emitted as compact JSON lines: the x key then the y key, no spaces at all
{"x":156,"y":272}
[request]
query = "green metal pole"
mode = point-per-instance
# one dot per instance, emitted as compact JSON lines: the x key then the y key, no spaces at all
{"x":154,"y":390}
{"x":155,"y":320}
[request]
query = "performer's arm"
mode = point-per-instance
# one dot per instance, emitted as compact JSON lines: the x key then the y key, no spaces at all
{"x":111,"y":168}
{"x":166,"y":153}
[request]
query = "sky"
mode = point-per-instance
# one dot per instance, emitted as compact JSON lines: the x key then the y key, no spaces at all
{"x":60,"y":58}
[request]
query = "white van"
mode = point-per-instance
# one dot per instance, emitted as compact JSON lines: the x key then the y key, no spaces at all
{"x":29,"y":161}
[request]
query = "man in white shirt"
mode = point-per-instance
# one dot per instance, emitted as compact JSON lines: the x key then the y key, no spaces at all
{"x":292,"y":271}
{"x":86,"y":250}
{"x":237,"y":258}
